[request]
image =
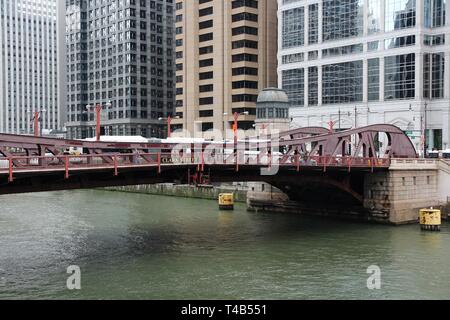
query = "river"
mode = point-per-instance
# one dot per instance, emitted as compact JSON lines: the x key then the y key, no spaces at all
{"x":131,"y":246}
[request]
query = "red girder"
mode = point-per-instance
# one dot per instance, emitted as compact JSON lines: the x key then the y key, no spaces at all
{"x":331,"y":144}
{"x":325,"y":144}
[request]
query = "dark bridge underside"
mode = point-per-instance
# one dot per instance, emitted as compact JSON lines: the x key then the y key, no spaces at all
{"x":337,"y":185}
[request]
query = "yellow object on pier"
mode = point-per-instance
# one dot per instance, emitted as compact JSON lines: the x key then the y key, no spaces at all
{"x":226,"y":201}
{"x":430,"y":219}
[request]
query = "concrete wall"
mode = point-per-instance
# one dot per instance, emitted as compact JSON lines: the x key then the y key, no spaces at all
{"x":444,"y":181}
{"x":396,"y":196}
{"x":184,"y":191}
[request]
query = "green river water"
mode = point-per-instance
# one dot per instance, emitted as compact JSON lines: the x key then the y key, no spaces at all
{"x":131,"y":246}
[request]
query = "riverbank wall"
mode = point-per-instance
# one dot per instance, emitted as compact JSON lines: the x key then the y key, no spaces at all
{"x":185,"y":191}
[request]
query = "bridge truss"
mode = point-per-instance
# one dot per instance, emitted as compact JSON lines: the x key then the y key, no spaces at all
{"x":310,"y":148}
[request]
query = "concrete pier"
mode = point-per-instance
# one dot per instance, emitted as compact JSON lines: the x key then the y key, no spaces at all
{"x":394,"y":196}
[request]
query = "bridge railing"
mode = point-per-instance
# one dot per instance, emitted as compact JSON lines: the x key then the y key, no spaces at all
{"x":136,"y":159}
{"x":338,"y":161}
{"x":117,"y":161}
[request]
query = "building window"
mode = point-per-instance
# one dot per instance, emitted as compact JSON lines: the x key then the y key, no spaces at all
{"x":313,"y":35}
{"x":341,"y":51}
{"x":244,"y":3}
{"x":342,"y":82}
{"x":206,"y":101}
{"x":373,"y":45}
{"x":399,"y":42}
{"x":206,"y":113}
{"x":433,"y":75}
{"x":244,"y":16}
{"x":313,"y":86}
{"x":434,"y":40}
{"x":293,"y":58}
{"x":205,"y":37}
{"x":399,"y":77}
{"x":374,"y":16}
{"x":373,"y":88}
{"x":206,"y":88}
{"x":437,"y":139}
{"x":244,"y":30}
{"x":207,"y":126}
{"x":245,"y":43}
{"x":294,"y":85}
{"x":400,"y":14}
{"x":245,"y":84}
{"x":434,"y":13}
{"x":293,"y":27}
{"x":244,"y":98}
{"x":342,"y":19}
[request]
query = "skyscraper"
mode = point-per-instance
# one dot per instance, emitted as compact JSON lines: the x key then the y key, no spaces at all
{"x":29,"y":58}
{"x":225,"y":54}
{"x":119,"y":56}
{"x":359,"y":62}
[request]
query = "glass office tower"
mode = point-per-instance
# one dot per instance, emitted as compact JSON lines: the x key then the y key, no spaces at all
{"x":361,"y":62}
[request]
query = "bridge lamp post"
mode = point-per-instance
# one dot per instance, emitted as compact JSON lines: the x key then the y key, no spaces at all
{"x":98,"y":111}
{"x":425,"y":129}
{"x":235,"y":126}
{"x":169,"y":125}
{"x":37,"y":117}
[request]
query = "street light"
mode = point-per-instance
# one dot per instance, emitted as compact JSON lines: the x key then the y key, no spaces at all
{"x":169,"y":123}
{"x":98,"y":110}
{"x":425,"y":125}
{"x":235,"y":126}
{"x":37,"y":117}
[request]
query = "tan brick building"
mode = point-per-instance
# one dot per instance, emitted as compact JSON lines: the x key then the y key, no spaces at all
{"x":226,"y":52}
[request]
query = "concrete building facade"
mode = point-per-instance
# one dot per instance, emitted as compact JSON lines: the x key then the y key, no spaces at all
{"x":225,"y":54}
{"x":359,"y":62}
{"x":29,"y":65}
{"x":120,"y":54}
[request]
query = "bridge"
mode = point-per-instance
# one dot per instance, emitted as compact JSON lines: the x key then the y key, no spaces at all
{"x":314,"y":163}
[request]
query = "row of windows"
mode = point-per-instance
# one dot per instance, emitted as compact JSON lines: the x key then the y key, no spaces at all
{"x":343,"y":82}
{"x":345,"y":19}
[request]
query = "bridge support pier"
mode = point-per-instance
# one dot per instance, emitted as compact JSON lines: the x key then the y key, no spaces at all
{"x":392,"y":196}
{"x":397,"y":195}
{"x":408,"y":186}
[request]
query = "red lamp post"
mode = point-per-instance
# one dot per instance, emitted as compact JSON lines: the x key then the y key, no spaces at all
{"x":169,"y":128}
{"x":235,"y":129}
{"x":98,"y":112}
{"x":37,"y":115}
{"x":36,"y":120}
{"x":169,"y":125}
{"x":331,"y":126}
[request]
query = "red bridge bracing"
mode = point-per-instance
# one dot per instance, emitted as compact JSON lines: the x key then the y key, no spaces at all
{"x":27,"y":157}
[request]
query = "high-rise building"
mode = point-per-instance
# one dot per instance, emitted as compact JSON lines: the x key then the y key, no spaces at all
{"x":120,"y":55}
{"x":225,"y":54}
{"x":358,"y":62}
{"x":29,"y":60}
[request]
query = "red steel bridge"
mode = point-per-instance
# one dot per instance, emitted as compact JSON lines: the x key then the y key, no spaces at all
{"x":310,"y":160}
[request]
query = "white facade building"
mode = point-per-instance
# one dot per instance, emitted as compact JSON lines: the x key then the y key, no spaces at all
{"x":354,"y":63}
{"x":29,"y":66}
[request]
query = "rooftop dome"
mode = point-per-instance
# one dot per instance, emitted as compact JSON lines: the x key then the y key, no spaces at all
{"x":273,"y":95}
